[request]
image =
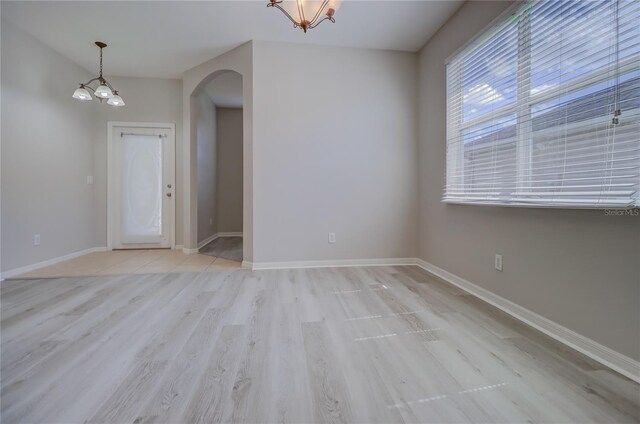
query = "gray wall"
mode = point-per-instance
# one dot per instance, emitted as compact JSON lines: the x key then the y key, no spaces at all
{"x":579,"y":268}
{"x":229,"y":170}
{"x":219,"y":138}
{"x":45,"y":132}
{"x":147,"y":100}
{"x":207,"y":166}
{"x":47,"y":153}
{"x":334,"y":151}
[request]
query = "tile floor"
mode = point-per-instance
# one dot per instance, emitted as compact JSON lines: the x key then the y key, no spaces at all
{"x":133,"y":262}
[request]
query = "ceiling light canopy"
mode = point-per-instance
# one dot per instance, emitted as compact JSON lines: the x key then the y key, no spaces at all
{"x":104,"y":91}
{"x":307,"y":14}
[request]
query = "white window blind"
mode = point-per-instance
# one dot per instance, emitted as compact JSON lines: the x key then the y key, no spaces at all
{"x":544,"y":108}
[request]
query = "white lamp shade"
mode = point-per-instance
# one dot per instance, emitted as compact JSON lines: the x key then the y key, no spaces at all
{"x":291,"y":6}
{"x":116,"y":100}
{"x":82,"y":94}
{"x":310,"y":8}
{"x":103,"y":92}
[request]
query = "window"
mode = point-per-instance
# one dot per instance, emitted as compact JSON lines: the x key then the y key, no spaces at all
{"x":544,"y":108}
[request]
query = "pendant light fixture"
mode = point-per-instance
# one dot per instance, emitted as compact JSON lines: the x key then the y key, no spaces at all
{"x":307,"y":14}
{"x":104,"y":91}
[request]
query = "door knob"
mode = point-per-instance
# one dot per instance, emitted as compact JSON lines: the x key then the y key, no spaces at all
{"x":168,"y":194}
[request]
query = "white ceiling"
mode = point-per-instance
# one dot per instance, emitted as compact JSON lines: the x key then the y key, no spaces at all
{"x":166,"y":38}
{"x":225,"y":90}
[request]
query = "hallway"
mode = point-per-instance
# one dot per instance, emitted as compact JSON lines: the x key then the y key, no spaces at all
{"x":229,"y":248}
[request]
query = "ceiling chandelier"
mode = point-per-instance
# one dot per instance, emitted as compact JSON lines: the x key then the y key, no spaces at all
{"x":104,"y":91}
{"x":307,"y":14}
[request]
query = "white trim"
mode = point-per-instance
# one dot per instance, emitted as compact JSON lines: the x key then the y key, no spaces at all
{"x":28,"y":268}
{"x":485,"y":31}
{"x":110,"y":175}
{"x":594,"y":350}
{"x":178,"y":247}
{"x":215,"y":236}
{"x":332,"y":263}
{"x":230,"y":234}
{"x":208,"y":240}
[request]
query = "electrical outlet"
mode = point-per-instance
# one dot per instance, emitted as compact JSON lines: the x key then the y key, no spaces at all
{"x":36,"y":240}
{"x":332,"y":237}
{"x":210,"y":221}
{"x":498,"y":262}
{"x":89,"y":179}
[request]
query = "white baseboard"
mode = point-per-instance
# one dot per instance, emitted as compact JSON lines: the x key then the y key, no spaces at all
{"x":594,"y":350}
{"x":207,"y":240}
{"x":178,"y":247}
{"x":333,"y":263}
{"x":28,"y":268}
{"x":230,"y":234}
{"x":218,"y":235}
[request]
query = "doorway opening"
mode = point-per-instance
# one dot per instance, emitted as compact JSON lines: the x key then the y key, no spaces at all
{"x":219,"y":136}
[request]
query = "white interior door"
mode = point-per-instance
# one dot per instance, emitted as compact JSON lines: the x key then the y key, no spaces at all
{"x":142,"y":187}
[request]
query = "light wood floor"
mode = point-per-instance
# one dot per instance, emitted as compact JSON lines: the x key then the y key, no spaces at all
{"x":229,"y":248}
{"x":133,"y":262}
{"x":373,"y":344}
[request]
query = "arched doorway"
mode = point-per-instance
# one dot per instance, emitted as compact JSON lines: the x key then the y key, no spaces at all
{"x":195,"y":80}
{"x":219,"y":131}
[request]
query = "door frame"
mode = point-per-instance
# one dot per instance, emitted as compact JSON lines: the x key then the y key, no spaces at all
{"x":111,"y":175}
